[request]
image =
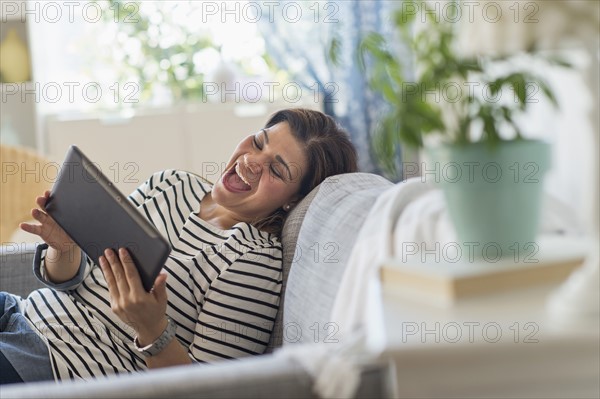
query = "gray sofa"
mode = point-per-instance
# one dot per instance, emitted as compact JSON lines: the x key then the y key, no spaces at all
{"x":317,"y":240}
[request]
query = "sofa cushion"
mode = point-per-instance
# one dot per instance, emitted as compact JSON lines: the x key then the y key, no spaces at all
{"x":289,"y":237}
{"x":16,"y":276}
{"x":324,"y":243}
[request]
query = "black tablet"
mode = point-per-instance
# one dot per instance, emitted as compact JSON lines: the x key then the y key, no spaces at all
{"x":86,"y":204}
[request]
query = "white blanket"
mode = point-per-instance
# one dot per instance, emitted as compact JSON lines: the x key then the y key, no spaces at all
{"x":373,"y":245}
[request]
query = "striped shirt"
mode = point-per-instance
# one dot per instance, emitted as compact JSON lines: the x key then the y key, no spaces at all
{"x":223,"y":290}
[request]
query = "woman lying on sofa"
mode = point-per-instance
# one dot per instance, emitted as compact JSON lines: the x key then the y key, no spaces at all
{"x":219,"y":290}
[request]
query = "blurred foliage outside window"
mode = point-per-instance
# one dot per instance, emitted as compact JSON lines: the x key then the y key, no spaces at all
{"x":167,"y":52}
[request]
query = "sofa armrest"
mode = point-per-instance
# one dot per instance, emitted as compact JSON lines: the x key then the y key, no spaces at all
{"x":266,"y":376}
{"x":16,"y":275}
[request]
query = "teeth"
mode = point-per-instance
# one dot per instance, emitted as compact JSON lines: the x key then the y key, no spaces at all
{"x":237,"y":170}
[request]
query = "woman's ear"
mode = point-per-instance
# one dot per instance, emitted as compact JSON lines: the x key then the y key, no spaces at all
{"x":291,"y":204}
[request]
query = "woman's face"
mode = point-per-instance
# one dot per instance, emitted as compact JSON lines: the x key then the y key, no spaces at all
{"x":263,"y":174}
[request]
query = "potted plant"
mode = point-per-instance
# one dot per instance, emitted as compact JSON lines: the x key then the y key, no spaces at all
{"x":468,"y":107}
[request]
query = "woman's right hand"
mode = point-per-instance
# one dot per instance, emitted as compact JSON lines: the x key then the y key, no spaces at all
{"x":48,"y":230}
{"x":64,"y":256}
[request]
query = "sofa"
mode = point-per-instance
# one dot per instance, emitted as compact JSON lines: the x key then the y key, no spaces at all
{"x":317,"y":240}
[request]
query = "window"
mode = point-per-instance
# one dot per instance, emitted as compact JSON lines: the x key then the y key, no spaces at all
{"x":105,"y":54}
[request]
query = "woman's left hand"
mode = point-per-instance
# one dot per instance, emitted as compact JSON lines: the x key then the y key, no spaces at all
{"x":142,"y":310}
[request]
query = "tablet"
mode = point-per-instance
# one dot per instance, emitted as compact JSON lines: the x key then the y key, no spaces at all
{"x":87,"y":205}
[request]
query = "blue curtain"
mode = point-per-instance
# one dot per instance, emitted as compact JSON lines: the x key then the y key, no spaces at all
{"x":299,"y":42}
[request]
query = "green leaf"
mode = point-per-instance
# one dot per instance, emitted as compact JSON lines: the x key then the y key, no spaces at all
{"x":373,"y":44}
{"x":384,"y":143}
{"x":548,"y":92}
{"x":519,"y":86}
{"x":407,"y":13}
{"x":334,"y":50}
{"x":558,"y":61}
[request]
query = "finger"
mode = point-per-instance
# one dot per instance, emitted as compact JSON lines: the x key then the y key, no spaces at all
{"x":31,"y":228}
{"x":41,"y":202}
{"x":117,"y":269}
{"x":133,"y":276}
{"x":160,"y":288}
{"x":46,"y":227}
{"x":38,"y":215}
{"x":113,"y":290}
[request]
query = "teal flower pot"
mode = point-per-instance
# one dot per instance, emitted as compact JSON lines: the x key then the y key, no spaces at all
{"x":494,"y":194}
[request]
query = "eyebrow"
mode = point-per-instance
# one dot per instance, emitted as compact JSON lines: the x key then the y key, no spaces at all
{"x":278,"y":157}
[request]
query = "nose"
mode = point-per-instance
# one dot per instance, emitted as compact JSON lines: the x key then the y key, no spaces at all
{"x":253,"y":164}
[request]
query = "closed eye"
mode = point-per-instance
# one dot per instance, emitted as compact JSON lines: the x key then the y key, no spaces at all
{"x":256,"y":143}
{"x":276,"y":173}
{"x":259,"y":145}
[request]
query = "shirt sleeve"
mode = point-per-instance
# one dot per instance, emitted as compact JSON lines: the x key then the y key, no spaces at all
{"x":239,"y":309}
{"x":39,"y":270}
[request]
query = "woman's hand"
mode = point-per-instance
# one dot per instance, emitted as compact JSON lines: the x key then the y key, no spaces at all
{"x":64,"y":256}
{"x":48,"y":230}
{"x":144,"y":311}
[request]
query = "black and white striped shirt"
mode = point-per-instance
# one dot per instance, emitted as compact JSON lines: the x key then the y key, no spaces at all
{"x":223,"y":290}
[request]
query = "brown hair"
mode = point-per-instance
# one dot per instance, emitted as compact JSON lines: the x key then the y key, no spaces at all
{"x":328,"y":151}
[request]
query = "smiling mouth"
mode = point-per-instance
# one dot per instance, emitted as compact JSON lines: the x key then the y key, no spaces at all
{"x":234,"y":181}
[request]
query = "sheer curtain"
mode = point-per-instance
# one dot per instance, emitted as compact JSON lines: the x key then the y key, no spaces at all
{"x":297,"y":35}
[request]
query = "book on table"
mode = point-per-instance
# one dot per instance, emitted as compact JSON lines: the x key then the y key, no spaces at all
{"x":445,"y":280}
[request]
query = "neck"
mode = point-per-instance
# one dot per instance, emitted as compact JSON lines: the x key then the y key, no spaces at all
{"x":215,"y":214}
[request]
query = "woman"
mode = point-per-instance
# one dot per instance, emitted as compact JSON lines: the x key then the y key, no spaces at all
{"x":219,"y":290}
